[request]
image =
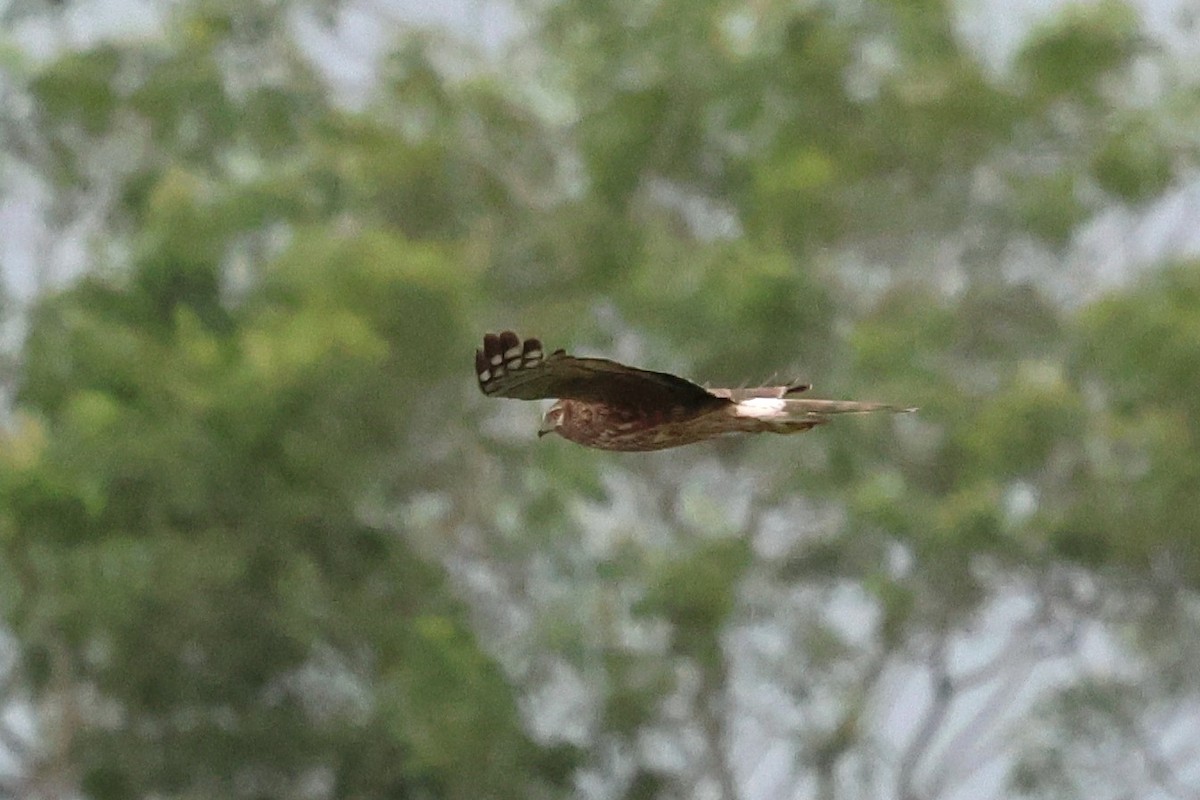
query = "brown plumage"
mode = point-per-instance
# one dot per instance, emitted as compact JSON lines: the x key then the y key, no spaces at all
{"x":611,"y":406}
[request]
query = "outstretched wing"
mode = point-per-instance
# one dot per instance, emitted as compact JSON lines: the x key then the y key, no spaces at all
{"x":508,"y":367}
{"x":773,"y":392}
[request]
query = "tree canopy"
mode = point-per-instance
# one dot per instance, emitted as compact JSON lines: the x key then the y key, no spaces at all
{"x":261,"y":537}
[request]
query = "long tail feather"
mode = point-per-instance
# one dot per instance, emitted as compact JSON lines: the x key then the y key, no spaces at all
{"x":806,"y":406}
{"x":794,"y":409}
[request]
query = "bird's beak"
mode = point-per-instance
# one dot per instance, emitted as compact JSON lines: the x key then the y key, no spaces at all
{"x":548,"y":426}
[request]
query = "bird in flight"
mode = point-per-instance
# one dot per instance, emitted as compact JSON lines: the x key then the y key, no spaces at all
{"x":611,"y":406}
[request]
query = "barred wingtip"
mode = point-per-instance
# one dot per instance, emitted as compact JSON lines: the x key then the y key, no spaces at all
{"x":483,"y":370}
{"x":510,"y":345}
{"x":503,"y":353}
{"x":532,"y":351}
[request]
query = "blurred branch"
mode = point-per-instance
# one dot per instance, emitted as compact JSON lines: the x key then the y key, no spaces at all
{"x":712,"y":691}
{"x":54,"y":774}
{"x":983,"y":722}
{"x":1190,"y":752}
{"x":1022,"y":644}
{"x":935,"y":715}
{"x":10,"y":741}
{"x":12,"y":788}
{"x":1160,"y":772}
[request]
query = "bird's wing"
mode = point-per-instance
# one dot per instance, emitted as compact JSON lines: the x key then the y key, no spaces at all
{"x":777,"y":392}
{"x":508,"y":367}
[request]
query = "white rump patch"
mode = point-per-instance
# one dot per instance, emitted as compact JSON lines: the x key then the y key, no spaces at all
{"x":765,"y":408}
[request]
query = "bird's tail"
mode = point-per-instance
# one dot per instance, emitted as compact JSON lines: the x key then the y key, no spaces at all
{"x":788,"y":414}
{"x":793,"y":407}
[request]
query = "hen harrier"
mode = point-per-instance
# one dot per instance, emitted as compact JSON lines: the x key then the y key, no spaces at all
{"x":611,"y":406}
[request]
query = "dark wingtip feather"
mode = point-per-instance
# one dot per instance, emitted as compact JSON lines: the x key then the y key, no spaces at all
{"x":508,"y":341}
{"x":796,"y":388}
{"x":491,"y":345}
{"x":504,"y":353}
{"x":482,"y":370}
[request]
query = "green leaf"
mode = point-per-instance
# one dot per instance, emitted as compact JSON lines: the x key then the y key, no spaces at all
{"x":78,"y":88}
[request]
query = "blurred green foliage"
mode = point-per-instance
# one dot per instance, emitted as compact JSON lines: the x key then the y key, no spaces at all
{"x":259,"y":536}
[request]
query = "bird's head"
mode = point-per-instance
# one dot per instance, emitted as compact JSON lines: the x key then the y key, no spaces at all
{"x":553,"y":419}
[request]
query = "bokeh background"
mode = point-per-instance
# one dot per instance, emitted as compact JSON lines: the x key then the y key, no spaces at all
{"x":261,"y":537}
